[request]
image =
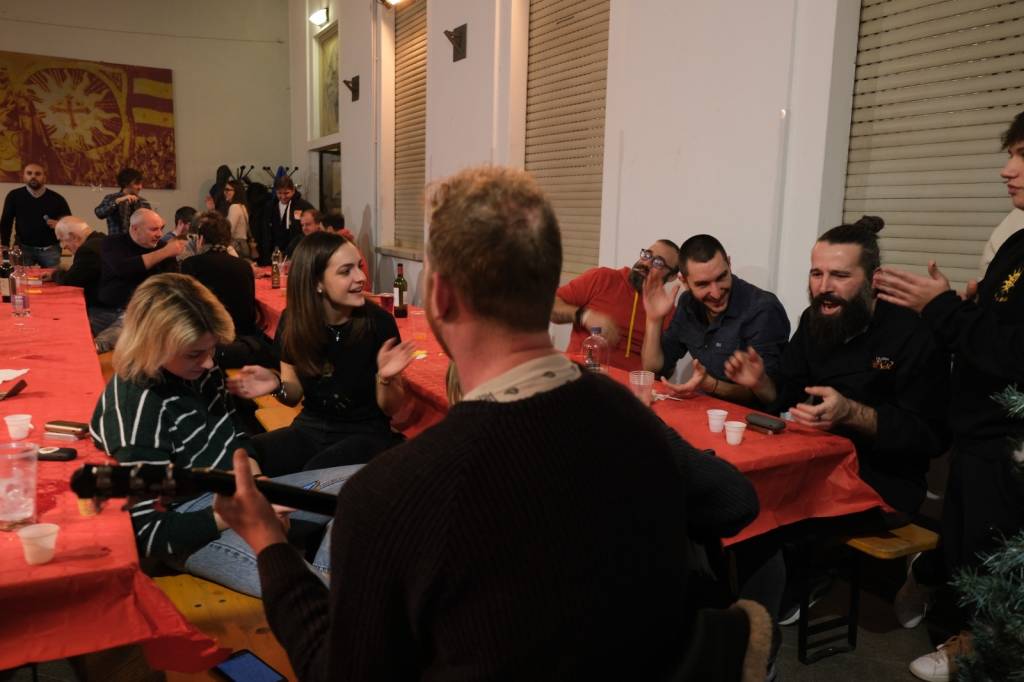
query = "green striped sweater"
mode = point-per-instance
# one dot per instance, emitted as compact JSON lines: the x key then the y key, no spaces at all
{"x":189,"y":423}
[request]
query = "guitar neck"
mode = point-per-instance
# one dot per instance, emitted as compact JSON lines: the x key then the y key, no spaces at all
{"x":215,"y":481}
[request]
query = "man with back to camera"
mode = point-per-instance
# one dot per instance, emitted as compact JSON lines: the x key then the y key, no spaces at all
{"x":35,"y":210}
{"x":984,"y":329}
{"x":717,"y":314}
{"x":610,"y":299}
{"x":507,"y":541}
{"x":127,"y":259}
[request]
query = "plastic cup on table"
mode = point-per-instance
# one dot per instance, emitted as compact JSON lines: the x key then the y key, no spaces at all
{"x":387,"y":302}
{"x":734,"y":432}
{"x":641,"y":382}
{"x":716,"y":420}
{"x":17,"y":484}
{"x":39,"y":542}
{"x":18,"y":425}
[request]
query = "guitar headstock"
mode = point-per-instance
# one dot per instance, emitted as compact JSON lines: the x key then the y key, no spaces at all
{"x":136,"y":482}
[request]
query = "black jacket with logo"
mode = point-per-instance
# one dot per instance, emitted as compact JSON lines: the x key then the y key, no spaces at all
{"x":895,"y":367}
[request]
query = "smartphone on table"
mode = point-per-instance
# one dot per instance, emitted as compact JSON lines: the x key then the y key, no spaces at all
{"x":245,"y":666}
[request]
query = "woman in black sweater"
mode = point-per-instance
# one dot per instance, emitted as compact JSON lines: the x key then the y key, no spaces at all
{"x":340,"y":355}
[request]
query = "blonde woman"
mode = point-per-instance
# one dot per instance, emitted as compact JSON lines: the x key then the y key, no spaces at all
{"x":167,"y":402}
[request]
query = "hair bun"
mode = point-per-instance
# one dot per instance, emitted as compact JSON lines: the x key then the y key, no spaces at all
{"x":871,"y":222}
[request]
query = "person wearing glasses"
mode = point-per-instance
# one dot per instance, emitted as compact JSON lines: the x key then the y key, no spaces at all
{"x":717,"y":315}
{"x":612,"y":300}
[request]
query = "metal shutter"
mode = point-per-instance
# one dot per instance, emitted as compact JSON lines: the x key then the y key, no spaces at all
{"x":937,"y":83}
{"x":565,"y":108}
{"x":410,"y":120}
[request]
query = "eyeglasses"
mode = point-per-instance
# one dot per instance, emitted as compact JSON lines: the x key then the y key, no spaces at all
{"x":656,"y":261}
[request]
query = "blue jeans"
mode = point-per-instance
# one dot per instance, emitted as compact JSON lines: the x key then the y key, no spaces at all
{"x":46,"y":256}
{"x":230,"y":561}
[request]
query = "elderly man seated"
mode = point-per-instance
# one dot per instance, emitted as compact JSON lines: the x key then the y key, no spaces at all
{"x":83,"y":243}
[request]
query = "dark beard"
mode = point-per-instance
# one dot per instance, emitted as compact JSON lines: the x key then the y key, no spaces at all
{"x":830,"y":331}
{"x":636,"y":279}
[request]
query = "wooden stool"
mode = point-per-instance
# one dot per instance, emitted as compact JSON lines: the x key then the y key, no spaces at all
{"x":235,"y":620}
{"x":892,"y":544}
{"x":271,"y":418}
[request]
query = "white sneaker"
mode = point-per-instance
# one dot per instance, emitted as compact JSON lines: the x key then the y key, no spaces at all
{"x":911,"y":602}
{"x":940,"y":665}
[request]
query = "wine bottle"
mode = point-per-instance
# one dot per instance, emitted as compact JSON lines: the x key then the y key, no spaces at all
{"x":400,"y":288}
{"x":5,"y":277}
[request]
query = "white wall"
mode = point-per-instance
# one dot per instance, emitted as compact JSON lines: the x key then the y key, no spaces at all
{"x":696,"y":139}
{"x":230,"y":70}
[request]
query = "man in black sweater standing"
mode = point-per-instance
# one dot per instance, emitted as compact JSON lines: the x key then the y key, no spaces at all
{"x":534,"y":534}
{"x":284,"y":218}
{"x":35,"y":210}
{"x":984,"y":328}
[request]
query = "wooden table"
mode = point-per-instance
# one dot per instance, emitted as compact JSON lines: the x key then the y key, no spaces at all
{"x":92,"y":596}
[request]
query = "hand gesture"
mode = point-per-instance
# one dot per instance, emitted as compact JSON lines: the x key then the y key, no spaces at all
{"x":657,"y":299}
{"x":970,"y":290}
{"x":247,"y":512}
{"x":253,"y":381}
{"x":909,"y":290}
{"x":593,"y":318}
{"x":393,"y":357}
{"x":689,"y":388}
{"x":831,"y":411}
{"x":745,"y":368}
{"x":174,"y":247}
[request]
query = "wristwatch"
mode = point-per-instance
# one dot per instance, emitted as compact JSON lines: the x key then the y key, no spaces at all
{"x":279,"y":392}
{"x":578,"y":317}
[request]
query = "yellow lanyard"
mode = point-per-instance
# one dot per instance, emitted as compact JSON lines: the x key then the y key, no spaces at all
{"x":632,"y":320}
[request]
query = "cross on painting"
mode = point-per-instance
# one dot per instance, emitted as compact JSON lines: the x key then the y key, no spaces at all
{"x":84,"y":120}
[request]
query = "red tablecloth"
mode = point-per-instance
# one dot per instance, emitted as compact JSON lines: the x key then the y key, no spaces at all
{"x":799,"y":474}
{"x":92,"y":596}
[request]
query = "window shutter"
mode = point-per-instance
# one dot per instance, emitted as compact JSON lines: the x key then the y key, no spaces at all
{"x":410,"y":121}
{"x":565,"y":109}
{"x":937,"y":83}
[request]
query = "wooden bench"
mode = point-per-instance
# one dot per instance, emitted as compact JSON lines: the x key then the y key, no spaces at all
{"x":235,"y":620}
{"x":892,"y":544}
{"x":271,"y":418}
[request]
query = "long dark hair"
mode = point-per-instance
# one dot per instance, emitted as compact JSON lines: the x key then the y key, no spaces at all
{"x":239,"y":196}
{"x":304,"y":336}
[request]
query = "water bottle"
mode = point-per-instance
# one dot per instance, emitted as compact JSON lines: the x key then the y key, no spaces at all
{"x":275,"y":269}
{"x":16,"y":260}
{"x":19,"y":293}
{"x":595,"y":351}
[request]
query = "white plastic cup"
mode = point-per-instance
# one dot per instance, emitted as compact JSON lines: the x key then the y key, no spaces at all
{"x":641,"y":382}
{"x":39,"y":542}
{"x":734,"y":432}
{"x":18,"y":425}
{"x":716,"y":420}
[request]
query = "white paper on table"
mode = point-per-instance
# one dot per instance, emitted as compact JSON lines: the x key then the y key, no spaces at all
{"x":8,"y":374}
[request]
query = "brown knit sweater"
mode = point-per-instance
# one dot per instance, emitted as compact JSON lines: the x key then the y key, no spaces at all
{"x":535,"y":540}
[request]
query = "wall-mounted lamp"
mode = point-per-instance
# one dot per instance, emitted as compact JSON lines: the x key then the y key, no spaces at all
{"x":457,"y":37}
{"x":353,"y":87}
{"x":319,"y":17}
{"x":389,"y":3}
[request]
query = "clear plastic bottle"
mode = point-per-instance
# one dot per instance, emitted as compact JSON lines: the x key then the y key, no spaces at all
{"x":19,"y":293}
{"x":595,"y":351}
